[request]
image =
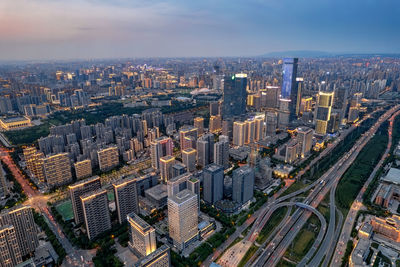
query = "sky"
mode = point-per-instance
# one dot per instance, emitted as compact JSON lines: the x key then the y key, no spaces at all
{"x":91,"y":29}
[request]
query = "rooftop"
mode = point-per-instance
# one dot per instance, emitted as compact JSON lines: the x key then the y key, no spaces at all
{"x":14,"y":119}
{"x":182,"y":196}
{"x":157,"y":192}
{"x":139,"y":221}
{"x":393,"y":176}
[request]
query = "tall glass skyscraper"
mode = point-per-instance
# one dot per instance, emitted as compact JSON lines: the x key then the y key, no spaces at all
{"x":289,"y":89}
{"x":235,"y":95}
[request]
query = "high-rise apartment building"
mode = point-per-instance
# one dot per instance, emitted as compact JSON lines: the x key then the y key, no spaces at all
{"x":189,"y":158}
{"x":235,"y":95}
{"x":243,"y":184}
{"x":187,"y":137}
{"x":213,"y":183}
{"x":142,"y":237}
{"x":160,"y":147}
{"x":205,"y":149}
{"x":304,"y":138}
{"x":199,"y":124}
{"x":239,"y":133}
{"x":96,"y":213}
{"x":159,"y":258}
{"x":10,"y":253}
{"x":183,"y":218}
{"x":83,"y":169}
{"x":108,"y":158}
{"x":34,"y":163}
{"x":221,"y":152}
{"x":21,"y":218}
{"x":57,"y":169}
{"x":323,"y":112}
{"x":166,"y":164}
{"x":271,"y":123}
{"x":79,"y":189}
{"x":215,"y":125}
{"x":126,"y":197}
{"x":291,"y":151}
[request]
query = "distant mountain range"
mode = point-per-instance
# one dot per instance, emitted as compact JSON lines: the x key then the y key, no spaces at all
{"x":310,"y":53}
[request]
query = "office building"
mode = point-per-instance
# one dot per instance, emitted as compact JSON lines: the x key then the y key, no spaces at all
{"x":306,"y":104}
{"x":21,"y":218}
{"x":199,"y":124}
{"x":189,"y":158}
{"x":271,"y":123}
{"x":221,"y":152}
{"x":213,"y":183}
{"x":177,"y":184}
{"x":183,"y":218}
{"x":178,"y":169}
{"x":83,"y":169}
{"x":250,"y":131}
{"x":108,"y":158}
{"x":205,"y":150}
{"x":235,"y":95}
{"x":290,"y":91}
{"x":187,"y":135}
{"x":334,"y":122}
{"x":214,"y":108}
{"x":10,"y":253}
{"x":142,"y":237}
{"x":57,"y":169}
{"x":34,"y":163}
{"x":323,"y":112}
{"x":159,"y":148}
{"x":126,"y":197}
{"x":291,"y":151}
{"x":215,"y":124}
{"x":193,"y":185}
{"x":239,"y":133}
{"x":166,"y":164}
{"x":304,"y":139}
{"x":159,"y":258}
{"x":96,"y":213}
{"x":79,"y":189}
{"x":243,"y":184}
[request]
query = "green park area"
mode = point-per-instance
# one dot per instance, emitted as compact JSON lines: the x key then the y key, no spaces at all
{"x":303,"y":240}
{"x":273,"y":222}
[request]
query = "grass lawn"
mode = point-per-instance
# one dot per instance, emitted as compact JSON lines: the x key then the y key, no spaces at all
{"x":294,"y":187}
{"x":110,"y":195}
{"x":65,"y":209}
{"x":275,"y":219}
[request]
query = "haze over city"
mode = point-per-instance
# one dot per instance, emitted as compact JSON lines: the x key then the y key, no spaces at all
{"x":88,"y":29}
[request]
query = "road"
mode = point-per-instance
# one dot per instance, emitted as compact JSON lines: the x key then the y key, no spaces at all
{"x":38,"y":201}
{"x":357,"y":204}
{"x":278,"y":246}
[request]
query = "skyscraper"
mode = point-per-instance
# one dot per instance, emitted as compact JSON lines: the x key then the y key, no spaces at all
{"x":243,"y":184}
{"x":178,"y":169}
{"x":108,"y":158}
{"x":142,"y":237}
{"x":187,"y":132}
{"x":304,"y":138}
{"x":239,"y":133}
{"x":271,"y":121}
{"x":159,"y":258}
{"x":189,"y":158}
{"x":10,"y":253}
{"x":178,"y":183}
{"x":79,"y":189}
{"x":235,"y":95}
{"x":21,"y":218}
{"x":289,"y":89}
{"x":199,"y":124}
{"x":160,"y":147}
{"x":96,"y":213}
{"x":215,"y":124}
{"x":205,"y":149}
{"x":214,"y":108}
{"x":126,"y":197}
{"x":166,"y":164}
{"x":183,"y":218}
{"x":34,"y":163}
{"x":213,"y":183}
{"x":323,"y":112}
{"x":221,"y":152}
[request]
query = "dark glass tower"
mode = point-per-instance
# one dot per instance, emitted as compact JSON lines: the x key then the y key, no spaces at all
{"x":235,"y":95}
{"x":289,"y":85}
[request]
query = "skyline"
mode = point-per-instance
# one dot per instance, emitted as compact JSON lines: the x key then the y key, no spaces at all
{"x":99,"y":29}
